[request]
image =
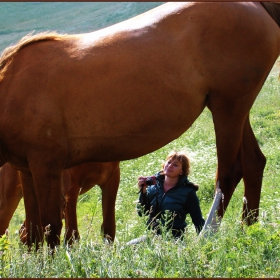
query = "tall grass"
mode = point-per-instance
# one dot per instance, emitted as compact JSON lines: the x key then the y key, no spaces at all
{"x":235,"y":251}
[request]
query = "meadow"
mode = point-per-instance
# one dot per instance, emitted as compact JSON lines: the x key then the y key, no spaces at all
{"x":234,"y":251}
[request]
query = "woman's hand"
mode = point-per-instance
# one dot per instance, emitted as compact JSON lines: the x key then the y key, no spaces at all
{"x":142,"y":184}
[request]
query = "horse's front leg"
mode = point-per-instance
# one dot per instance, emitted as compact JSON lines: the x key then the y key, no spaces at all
{"x":31,"y":230}
{"x":10,"y":195}
{"x":47,"y":178}
{"x":109,"y":194}
{"x":71,"y":225}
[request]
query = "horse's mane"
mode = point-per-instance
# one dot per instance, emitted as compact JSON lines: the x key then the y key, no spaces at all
{"x":8,"y":54}
{"x":273,"y":9}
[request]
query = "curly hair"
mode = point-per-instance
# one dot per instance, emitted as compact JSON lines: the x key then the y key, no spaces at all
{"x":183,"y":158}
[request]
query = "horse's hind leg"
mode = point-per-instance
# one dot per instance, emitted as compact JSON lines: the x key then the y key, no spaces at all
{"x":228,"y":128}
{"x":249,"y":164}
{"x":236,"y":176}
{"x":253,"y":164}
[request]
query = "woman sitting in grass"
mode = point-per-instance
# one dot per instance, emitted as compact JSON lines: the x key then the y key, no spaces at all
{"x":170,"y":197}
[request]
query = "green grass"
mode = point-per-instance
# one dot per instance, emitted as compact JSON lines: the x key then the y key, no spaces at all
{"x":235,"y":251}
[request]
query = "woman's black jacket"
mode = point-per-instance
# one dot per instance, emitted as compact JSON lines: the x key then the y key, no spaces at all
{"x":179,"y":200}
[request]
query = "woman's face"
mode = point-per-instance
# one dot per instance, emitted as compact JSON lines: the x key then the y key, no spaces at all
{"x":173,"y":168}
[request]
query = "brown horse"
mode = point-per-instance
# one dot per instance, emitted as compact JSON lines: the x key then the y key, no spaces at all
{"x":76,"y":180}
{"x":82,"y":178}
{"x":129,"y":89}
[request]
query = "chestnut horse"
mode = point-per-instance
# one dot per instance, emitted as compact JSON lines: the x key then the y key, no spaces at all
{"x":126,"y":90}
{"x":76,"y":180}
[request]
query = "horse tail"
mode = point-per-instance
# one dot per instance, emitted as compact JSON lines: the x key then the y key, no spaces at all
{"x":273,"y":9}
{"x":9,"y":53}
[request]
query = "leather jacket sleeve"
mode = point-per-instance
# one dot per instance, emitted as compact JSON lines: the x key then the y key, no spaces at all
{"x":143,"y":205}
{"x":194,"y":211}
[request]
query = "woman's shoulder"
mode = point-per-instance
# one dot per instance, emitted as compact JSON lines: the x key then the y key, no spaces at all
{"x":187,"y":183}
{"x":159,"y":176}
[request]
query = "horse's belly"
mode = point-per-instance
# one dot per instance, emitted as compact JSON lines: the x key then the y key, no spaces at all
{"x":129,"y":143}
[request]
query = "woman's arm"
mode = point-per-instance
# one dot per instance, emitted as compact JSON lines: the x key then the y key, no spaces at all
{"x":195,"y":211}
{"x":142,"y":205}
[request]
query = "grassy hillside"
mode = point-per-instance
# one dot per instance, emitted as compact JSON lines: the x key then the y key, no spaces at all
{"x":234,"y":251}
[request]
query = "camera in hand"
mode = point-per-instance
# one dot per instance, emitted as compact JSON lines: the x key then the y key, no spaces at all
{"x":151,"y":180}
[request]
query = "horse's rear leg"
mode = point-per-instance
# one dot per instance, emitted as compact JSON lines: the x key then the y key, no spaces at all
{"x":253,"y":162}
{"x":249,"y":164}
{"x":228,"y":131}
{"x":109,"y":194}
{"x":234,"y":179}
